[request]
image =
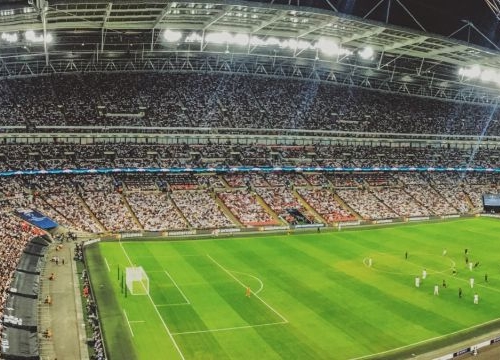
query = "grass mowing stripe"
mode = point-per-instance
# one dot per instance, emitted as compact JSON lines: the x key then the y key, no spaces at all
{"x":229,"y":328}
{"x":395,"y":350}
{"x":118,"y":343}
{"x":156,"y":309}
{"x":244,"y":286}
{"x":336,"y":307}
{"x":173,"y":281}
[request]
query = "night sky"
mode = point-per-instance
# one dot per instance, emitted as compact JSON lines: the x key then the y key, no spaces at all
{"x":442,"y":17}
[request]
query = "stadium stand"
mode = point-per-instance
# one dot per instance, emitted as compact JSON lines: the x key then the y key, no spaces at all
{"x":237,"y":101}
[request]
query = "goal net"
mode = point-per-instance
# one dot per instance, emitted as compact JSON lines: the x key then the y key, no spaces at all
{"x":137,"y":281}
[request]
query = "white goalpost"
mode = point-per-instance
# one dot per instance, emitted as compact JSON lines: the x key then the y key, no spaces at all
{"x":137,"y":281}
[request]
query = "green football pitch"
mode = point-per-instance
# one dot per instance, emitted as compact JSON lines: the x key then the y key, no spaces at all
{"x":313,"y":296}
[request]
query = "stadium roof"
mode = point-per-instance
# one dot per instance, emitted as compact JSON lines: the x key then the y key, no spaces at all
{"x":326,"y":40}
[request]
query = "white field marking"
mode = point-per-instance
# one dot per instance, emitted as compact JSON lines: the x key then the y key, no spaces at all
{"x":229,"y":328}
{"x":128,"y":322}
{"x":424,"y":341}
{"x":256,"y":278}
{"x":173,"y":304}
{"x":107,"y":265}
{"x":157,"y":312}
{"x":184,"y":296}
{"x":239,"y":282}
{"x":137,"y":321}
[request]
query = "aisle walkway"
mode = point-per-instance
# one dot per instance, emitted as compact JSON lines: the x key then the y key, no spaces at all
{"x":64,"y":316}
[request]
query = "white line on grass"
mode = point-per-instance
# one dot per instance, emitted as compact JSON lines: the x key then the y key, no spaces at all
{"x":174,"y":304}
{"x":107,"y":265}
{"x":157,"y":312}
{"x":239,"y":282}
{"x":256,"y":278}
{"x":184,"y":296}
{"x":128,"y":322}
{"x":229,"y":328}
{"x":424,"y":341}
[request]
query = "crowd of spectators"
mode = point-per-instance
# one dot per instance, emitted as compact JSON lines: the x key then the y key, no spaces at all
{"x":325,"y":204}
{"x":110,"y":210}
{"x":430,"y":198}
{"x":92,"y":314}
{"x":160,"y":202}
{"x":366,"y":204}
{"x":200,"y":209}
{"x":13,"y":239}
{"x":400,"y":202}
{"x":287,"y":206}
{"x":155,"y":212}
{"x":230,"y":101}
{"x":93,"y":156}
{"x":246,"y":208}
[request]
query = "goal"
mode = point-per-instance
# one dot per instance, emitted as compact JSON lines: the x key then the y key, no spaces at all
{"x":137,"y":281}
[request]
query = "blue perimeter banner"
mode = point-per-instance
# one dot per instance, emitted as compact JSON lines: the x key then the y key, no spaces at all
{"x":36,"y":218}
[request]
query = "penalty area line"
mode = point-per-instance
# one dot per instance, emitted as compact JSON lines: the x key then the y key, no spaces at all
{"x":177,"y":286}
{"x":229,"y":328}
{"x":107,"y":264}
{"x":157,"y":311}
{"x":128,"y":322}
{"x":239,"y":282}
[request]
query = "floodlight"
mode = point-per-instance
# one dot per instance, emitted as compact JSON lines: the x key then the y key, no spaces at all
{"x":366,"y":53}
{"x":12,"y":38}
{"x":290,"y":43}
{"x":241,"y":39}
{"x":327,"y":46}
{"x":172,"y":35}
{"x":219,"y":38}
{"x":303,"y":44}
{"x":29,"y":35}
{"x":256,"y":41}
{"x":488,"y":75}
{"x":272,"y":41}
{"x":194,"y":37}
{"x":475,"y":71}
{"x":471,"y":72}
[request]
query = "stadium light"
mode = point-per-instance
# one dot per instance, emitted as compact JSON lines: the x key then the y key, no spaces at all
{"x":304,"y":45}
{"x":272,"y":41}
{"x":257,"y":41}
{"x":471,"y":72}
{"x":241,"y":39}
{"x":194,"y":37}
{"x":172,"y":35}
{"x":366,"y":53}
{"x":219,"y":38}
{"x":11,"y":38}
{"x":30,"y":35}
{"x":488,"y":75}
{"x":327,"y":47}
{"x":330,"y":47}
